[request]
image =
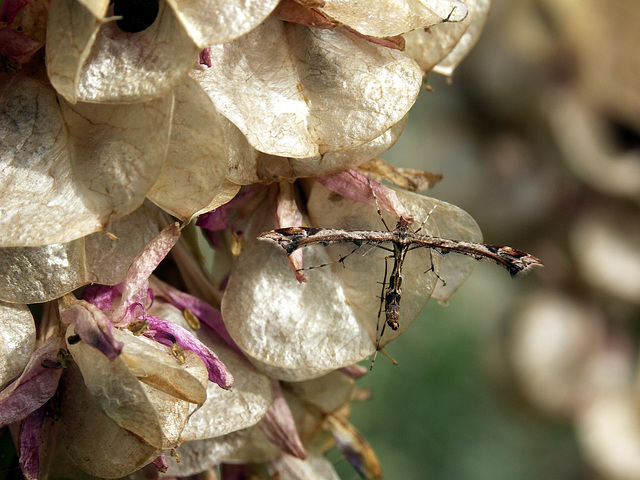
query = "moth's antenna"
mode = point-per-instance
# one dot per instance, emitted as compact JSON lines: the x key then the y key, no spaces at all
{"x":375,"y":199}
{"x":427,"y":217}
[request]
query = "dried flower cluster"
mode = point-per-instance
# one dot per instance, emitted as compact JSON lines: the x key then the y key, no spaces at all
{"x":112,"y":120}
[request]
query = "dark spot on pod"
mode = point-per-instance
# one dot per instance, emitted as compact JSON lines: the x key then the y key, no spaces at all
{"x":137,"y":15}
{"x":73,"y":339}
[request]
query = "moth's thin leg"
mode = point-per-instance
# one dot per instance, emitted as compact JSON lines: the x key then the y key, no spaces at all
{"x":340,"y":260}
{"x":375,"y":354}
{"x":384,"y":323}
{"x":384,"y":284}
{"x":427,"y":217}
{"x":375,"y":199}
{"x":432,"y":267}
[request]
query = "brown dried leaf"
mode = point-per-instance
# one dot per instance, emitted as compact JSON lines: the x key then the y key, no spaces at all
{"x":406,"y":178}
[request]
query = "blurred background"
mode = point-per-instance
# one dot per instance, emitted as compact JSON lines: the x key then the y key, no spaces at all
{"x":538,"y":138}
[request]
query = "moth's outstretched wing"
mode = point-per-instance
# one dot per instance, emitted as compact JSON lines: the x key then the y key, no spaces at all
{"x":293,"y":238}
{"x":515,"y":261}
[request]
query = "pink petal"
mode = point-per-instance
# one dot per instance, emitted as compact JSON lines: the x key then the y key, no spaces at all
{"x":35,"y":386}
{"x":205,"y":57}
{"x":30,"y":435}
{"x":232,"y":213}
{"x":207,"y":314}
{"x":215,"y":219}
{"x":357,"y":186}
{"x":101,"y":296}
{"x":136,"y":282}
{"x":288,"y":215}
{"x":279,"y":427}
{"x":161,"y":463}
{"x":93,"y":327}
{"x":168,"y":333}
{"x":18,"y":46}
{"x":230,"y":471}
{"x":354,"y":372}
{"x":11,"y":8}
{"x":396,"y":43}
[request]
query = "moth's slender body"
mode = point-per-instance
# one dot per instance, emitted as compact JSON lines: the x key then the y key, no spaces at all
{"x":394,"y":289}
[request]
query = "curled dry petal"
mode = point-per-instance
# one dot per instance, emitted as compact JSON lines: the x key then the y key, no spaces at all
{"x":294,"y":103}
{"x":354,"y":447}
{"x":17,"y":340}
{"x":207,"y":314}
{"x":356,"y":186}
{"x":35,"y":386}
{"x":92,"y":326}
{"x":293,"y":11}
{"x":92,"y":60}
{"x":208,"y":22}
{"x":30,"y":435}
{"x":10,"y":8}
{"x":102,"y":296}
{"x":70,"y":170}
{"x":38,"y":274}
{"x":405,"y":178}
{"x":18,"y":46}
{"x":210,"y":142}
{"x":279,"y":427}
{"x":386,"y":18}
{"x":22,"y":31}
{"x":161,"y":463}
{"x":354,"y":372}
{"x":298,"y":331}
{"x":167,"y":333}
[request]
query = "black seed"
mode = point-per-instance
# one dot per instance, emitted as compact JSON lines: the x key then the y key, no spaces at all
{"x":73,"y":339}
{"x":137,"y":15}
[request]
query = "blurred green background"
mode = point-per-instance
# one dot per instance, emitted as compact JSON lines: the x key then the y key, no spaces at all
{"x":536,"y":133}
